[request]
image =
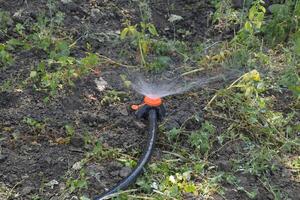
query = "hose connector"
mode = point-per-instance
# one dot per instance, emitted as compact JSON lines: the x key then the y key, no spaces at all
{"x":150,"y":103}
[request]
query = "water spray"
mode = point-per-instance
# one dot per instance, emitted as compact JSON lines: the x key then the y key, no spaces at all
{"x":153,"y":110}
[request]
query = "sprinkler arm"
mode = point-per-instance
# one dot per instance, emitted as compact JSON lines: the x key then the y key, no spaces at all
{"x":143,"y":109}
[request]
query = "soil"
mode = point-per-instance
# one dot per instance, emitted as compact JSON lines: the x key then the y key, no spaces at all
{"x":34,"y":161}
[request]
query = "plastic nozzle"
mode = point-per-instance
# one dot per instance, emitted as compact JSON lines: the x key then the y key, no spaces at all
{"x":153,"y":102}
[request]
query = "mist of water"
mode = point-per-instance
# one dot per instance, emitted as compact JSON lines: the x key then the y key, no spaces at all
{"x":157,"y":88}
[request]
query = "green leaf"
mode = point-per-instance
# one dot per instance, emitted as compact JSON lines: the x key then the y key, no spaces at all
{"x":124,"y":33}
{"x":297,"y":46}
{"x":190,"y":188}
{"x":248,"y":27}
{"x":152,"y":29}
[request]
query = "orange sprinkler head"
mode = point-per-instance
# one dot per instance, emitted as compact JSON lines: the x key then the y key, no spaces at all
{"x":153,"y":102}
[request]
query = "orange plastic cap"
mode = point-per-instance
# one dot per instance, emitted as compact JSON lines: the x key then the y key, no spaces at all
{"x":136,"y":107}
{"x":154,"y":102}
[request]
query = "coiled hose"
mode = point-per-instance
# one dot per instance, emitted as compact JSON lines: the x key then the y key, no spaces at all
{"x":152,"y":117}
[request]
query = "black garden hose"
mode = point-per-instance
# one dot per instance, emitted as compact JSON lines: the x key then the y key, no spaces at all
{"x":123,"y":184}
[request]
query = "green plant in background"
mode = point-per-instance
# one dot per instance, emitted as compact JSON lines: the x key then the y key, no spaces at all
{"x":113,"y":96}
{"x":35,"y":125}
{"x":252,"y":25}
{"x":61,"y":69}
{"x":79,"y":183}
{"x":70,"y":130}
{"x":5,"y":22}
{"x":283,"y":21}
{"x":201,"y":138}
{"x":290,"y":78}
{"x":225,"y":17}
{"x":5,"y":57}
{"x":58,"y":68}
{"x":260,"y":161}
{"x":234,"y":181}
{"x":141,"y":35}
{"x":252,"y":111}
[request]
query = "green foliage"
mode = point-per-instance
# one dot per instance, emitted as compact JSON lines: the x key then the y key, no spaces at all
{"x":51,"y":75}
{"x":290,"y":78}
{"x":113,"y":96}
{"x":61,"y":49}
{"x":261,"y":161}
{"x":5,"y":57}
{"x":5,"y":22}
{"x":69,"y":130}
{"x":36,"y":126}
{"x":141,"y":35}
{"x":283,"y":21}
{"x":252,"y":25}
{"x":78,"y":183}
{"x":89,"y":62}
{"x":251,"y":110}
{"x":160,"y":63}
{"x":233,"y":180}
{"x":201,"y":138}
{"x":225,"y":17}
{"x":173,"y":134}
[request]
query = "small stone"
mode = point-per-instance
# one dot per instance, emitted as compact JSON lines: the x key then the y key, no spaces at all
{"x":123,"y":110}
{"x":52,"y":183}
{"x":48,"y":160}
{"x":95,"y":17}
{"x":100,"y":82}
{"x":125,"y":171}
{"x":102,"y":118}
{"x":62,"y":186}
{"x":77,"y":166}
{"x":286,"y":173}
{"x":243,"y":180}
{"x":12,"y":178}
{"x":94,"y":13}
{"x":270,"y":196}
{"x":115,"y":165}
{"x":237,"y":3}
{"x":77,"y":141}
{"x":139,"y":124}
{"x":223,"y":165}
{"x":114,"y":173}
{"x":93,"y":169}
{"x":27,"y":190}
{"x":77,"y":18}
{"x":66,"y":1}
{"x":3,"y":158}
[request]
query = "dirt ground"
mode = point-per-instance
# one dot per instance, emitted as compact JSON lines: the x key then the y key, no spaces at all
{"x":37,"y":162}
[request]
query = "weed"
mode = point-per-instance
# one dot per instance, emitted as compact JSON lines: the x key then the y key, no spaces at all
{"x":5,"y":57}
{"x":225,"y":17}
{"x":283,"y":21}
{"x":5,"y":22}
{"x":113,"y":96}
{"x":252,"y":25}
{"x":78,"y":183}
{"x":70,"y":130}
{"x":201,"y":138}
{"x":290,"y":78}
{"x":141,"y":35}
{"x":66,"y":69}
{"x":35,"y":125}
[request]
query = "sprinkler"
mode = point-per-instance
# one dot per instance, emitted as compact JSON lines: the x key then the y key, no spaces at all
{"x":153,"y":110}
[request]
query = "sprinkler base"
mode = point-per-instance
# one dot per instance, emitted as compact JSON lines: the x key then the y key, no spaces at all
{"x":143,"y":111}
